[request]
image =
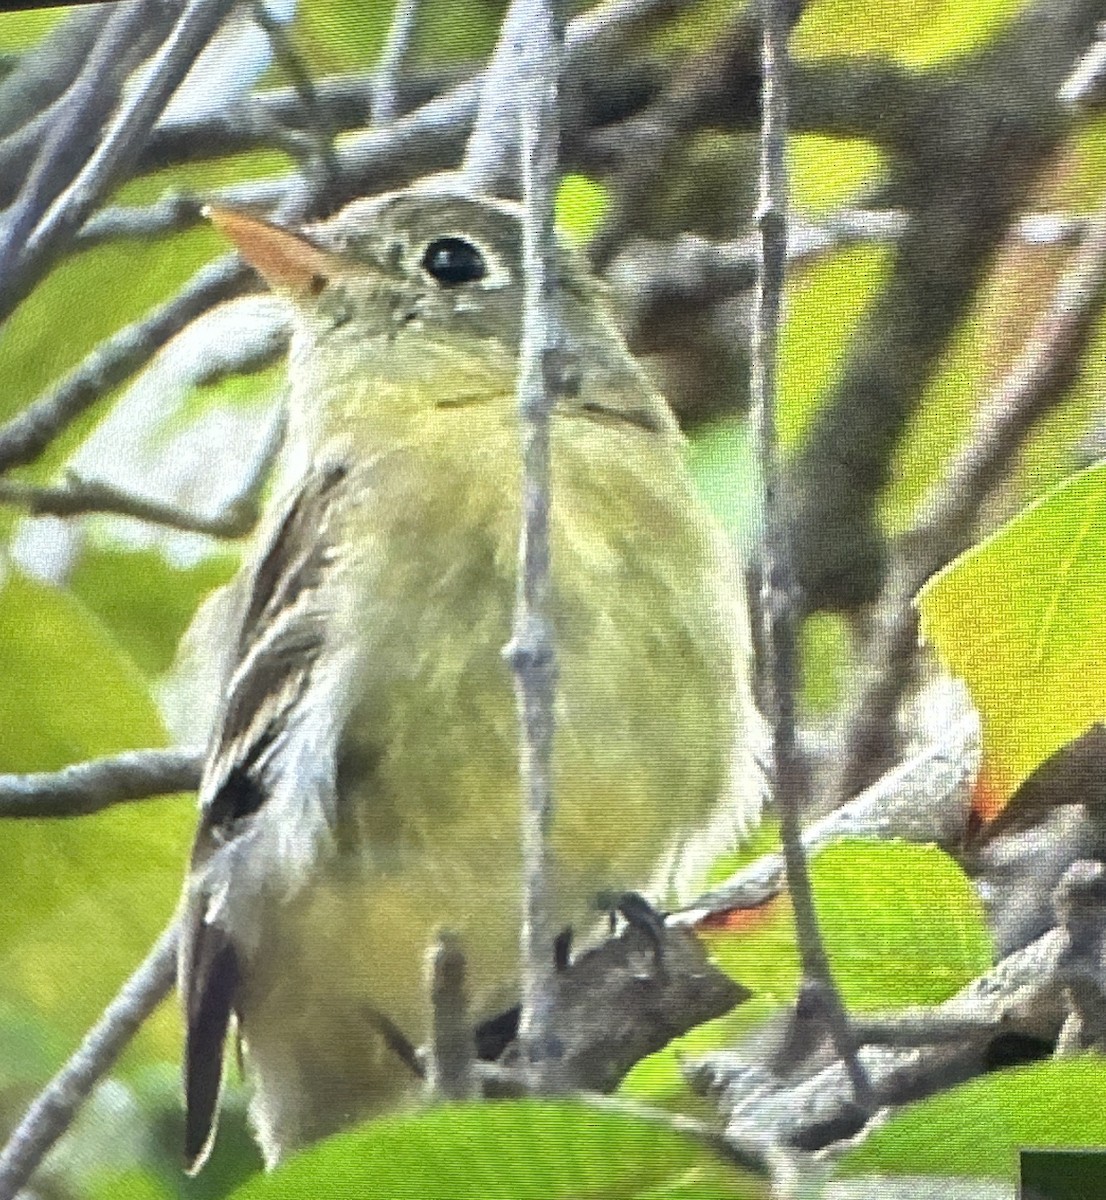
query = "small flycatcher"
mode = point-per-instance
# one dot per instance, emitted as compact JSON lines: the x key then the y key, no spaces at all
{"x":362,"y":783}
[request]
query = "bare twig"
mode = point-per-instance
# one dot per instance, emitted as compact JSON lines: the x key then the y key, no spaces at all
{"x":79,"y":117}
{"x":88,"y":787}
{"x":818,"y":994}
{"x":55,"y":1107}
{"x":26,"y":435}
{"x":1085,"y":87}
{"x":36,"y":235}
{"x":543,"y":370}
{"x":79,"y":496}
{"x":1038,"y":381}
{"x":926,"y":799}
{"x":385,"y":84}
{"x":319,"y":135}
{"x":1021,"y":996}
{"x":451,"y":1062}
{"x":1082,"y":968}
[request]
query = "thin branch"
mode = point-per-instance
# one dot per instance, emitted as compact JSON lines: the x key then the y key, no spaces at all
{"x":385,"y":84}
{"x":426,"y":140}
{"x":543,"y":375}
{"x":28,"y":434}
{"x":1079,"y":907}
{"x":1038,"y":381}
{"x":319,"y":136}
{"x":80,"y":115}
{"x":451,"y":1062}
{"x":56,"y":1105}
{"x":654,"y":135}
{"x":926,"y":799}
{"x":88,"y":787}
{"x":778,"y":599}
{"x":1085,"y":87}
{"x":659,"y":278}
{"x":77,"y":497}
{"x":40,"y":237}
{"x":1022,"y":996}
{"x":39,"y":76}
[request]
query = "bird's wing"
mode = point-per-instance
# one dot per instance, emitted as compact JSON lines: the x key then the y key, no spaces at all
{"x":281,"y":641}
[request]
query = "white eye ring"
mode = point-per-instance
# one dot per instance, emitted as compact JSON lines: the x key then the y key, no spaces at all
{"x":495,"y":276}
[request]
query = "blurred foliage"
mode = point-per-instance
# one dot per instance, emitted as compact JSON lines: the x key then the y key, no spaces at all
{"x":918,"y":33}
{"x":85,"y":650}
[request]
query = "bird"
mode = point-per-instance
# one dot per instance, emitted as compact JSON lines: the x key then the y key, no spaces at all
{"x":361,"y":785}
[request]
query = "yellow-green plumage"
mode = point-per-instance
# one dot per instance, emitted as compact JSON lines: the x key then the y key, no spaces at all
{"x":417,"y":600}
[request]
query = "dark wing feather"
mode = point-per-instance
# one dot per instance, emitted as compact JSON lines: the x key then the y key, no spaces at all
{"x":215,"y":963}
{"x":279,"y":643}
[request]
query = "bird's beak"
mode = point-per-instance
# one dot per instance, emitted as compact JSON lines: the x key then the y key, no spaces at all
{"x":287,"y":261}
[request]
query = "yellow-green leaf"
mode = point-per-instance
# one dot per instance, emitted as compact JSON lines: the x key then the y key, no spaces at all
{"x":1021,"y":619}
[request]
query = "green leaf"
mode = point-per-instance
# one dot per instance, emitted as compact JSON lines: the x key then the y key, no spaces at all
{"x":978,"y":1128}
{"x":83,"y":899}
{"x":901,"y":922}
{"x":18,"y":30}
{"x":902,"y":925}
{"x":1021,"y":618}
{"x":827,"y":172}
{"x":522,"y":1150}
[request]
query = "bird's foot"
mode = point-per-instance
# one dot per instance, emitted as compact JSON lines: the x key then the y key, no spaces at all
{"x":639,"y":914}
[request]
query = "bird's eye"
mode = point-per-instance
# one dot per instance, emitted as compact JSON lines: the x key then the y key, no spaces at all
{"x":452,"y":260}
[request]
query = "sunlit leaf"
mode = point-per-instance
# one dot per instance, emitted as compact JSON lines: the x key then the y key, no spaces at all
{"x":1021,"y":618}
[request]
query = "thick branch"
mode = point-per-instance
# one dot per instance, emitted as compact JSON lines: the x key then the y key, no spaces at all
{"x":1021,"y":997}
